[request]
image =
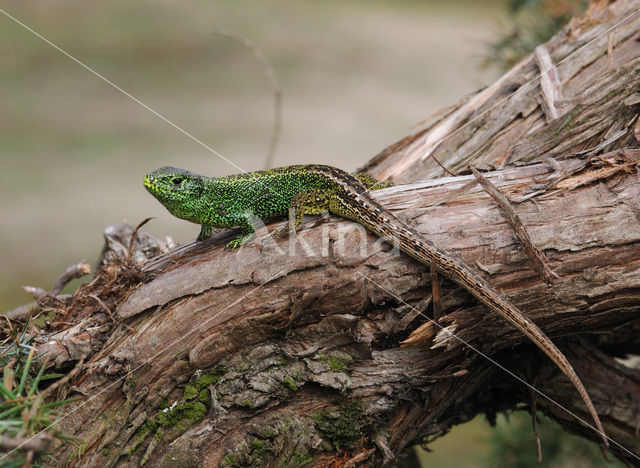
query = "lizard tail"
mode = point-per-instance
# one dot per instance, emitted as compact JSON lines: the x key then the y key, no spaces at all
{"x":395,"y":231}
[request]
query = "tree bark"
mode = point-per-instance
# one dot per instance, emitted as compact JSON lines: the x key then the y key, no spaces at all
{"x":290,"y":353}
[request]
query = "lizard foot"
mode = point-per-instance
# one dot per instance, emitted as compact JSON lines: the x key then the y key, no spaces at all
{"x":286,"y":227}
{"x":239,"y":241}
{"x":205,"y":233}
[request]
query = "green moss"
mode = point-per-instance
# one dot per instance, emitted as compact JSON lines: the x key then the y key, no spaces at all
{"x":209,"y":378}
{"x":568,"y":122}
{"x":229,"y":460}
{"x":336,"y":364}
{"x":301,"y":458}
{"x":134,"y":447}
{"x":289,"y":382}
{"x":246,"y":403}
{"x":192,"y":411}
{"x":80,"y":448}
{"x":159,"y":436}
{"x":611,"y":94}
{"x":281,"y":360}
{"x":242,"y":366}
{"x":147,"y":428}
{"x":205,"y":397}
{"x":190,"y":392}
{"x":342,"y":426}
{"x":529,"y":158}
{"x":257,"y":447}
{"x":179,"y":417}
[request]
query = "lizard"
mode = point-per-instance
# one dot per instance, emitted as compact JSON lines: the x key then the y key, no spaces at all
{"x":235,"y":201}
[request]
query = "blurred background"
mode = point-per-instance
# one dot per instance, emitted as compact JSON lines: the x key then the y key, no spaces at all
{"x":355,"y":77}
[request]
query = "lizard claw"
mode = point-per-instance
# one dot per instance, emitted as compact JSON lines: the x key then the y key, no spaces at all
{"x":239,"y":241}
{"x":281,"y":230}
{"x":278,"y":232}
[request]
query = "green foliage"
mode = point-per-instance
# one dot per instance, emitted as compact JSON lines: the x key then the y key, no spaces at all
{"x":23,"y":411}
{"x":513,"y":444}
{"x":530,"y":23}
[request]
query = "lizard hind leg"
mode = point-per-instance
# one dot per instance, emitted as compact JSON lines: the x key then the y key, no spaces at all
{"x":371,"y":182}
{"x":307,"y":202}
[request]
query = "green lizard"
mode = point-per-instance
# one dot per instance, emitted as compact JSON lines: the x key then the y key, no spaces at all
{"x":236,"y":200}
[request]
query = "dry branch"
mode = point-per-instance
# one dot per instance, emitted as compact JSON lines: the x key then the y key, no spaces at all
{"x":278,"y":345}
{"x":537,"y":258}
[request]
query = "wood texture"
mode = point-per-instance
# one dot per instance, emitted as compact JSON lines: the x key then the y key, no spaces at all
{"x":307,"y":339}
{"x":290,"y":353}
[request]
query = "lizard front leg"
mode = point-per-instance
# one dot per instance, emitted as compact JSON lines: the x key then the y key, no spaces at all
{"x":205,"y":232}
{"x":247,"y":231}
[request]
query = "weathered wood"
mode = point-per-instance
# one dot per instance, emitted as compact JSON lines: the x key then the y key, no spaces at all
{"x":505,"y":124}
{"x":291,"y":352}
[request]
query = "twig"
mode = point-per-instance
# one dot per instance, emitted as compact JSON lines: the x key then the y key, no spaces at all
{"x":537,"y":258}
{"x":103,"y":305}
{"x":36,"y":292}
{"x":534,"y":423}
{"x":433,"y":156}
{"x":50,"y":389}
{"x":132,"y":237}
{"x":436,"y":292}
{"x":74,"y":271}
{"x":23,"y":312}
{"x":38,"y":444}
{"x":383,"y":444}
{"x":359,"y":458}
{"x":253,"y":49}
{"x":549,"y":83}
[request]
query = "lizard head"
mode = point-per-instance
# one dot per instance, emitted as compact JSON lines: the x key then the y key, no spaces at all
{"x":180,"y":191}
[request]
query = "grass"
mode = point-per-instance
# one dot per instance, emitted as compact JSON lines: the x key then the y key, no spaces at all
{"x":23,"y":410}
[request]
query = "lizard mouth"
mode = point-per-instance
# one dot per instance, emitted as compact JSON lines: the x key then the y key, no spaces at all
{"x":149,"y":182}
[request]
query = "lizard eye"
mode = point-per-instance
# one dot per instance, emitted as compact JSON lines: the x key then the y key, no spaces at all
{"x":176,"y":180}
